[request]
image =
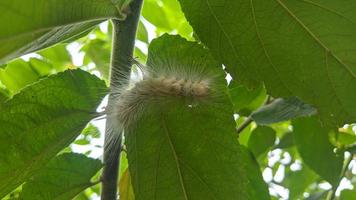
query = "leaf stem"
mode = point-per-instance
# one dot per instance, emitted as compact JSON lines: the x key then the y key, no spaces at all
{"x":124,"y":35}
{"x":249,"y":119}
{"x":244,"y":125}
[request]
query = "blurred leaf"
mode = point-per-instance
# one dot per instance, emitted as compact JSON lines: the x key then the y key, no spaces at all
{"x":352,"y":149}
{"x":282,"y":110}
{"x":244,"y":100}
{"x":43,"y":119}
{"x":342,"y":139}
{"x":58,"y":56}
{"x":176,"y":18}
{"x":42,"y":67}
{"x":318,"y":196}
{"x":126,"y":190}
{"x":92,"y":131}
{"x":142,"y":33}
{"x":348,"y":194}
{"x":140,"y":55}
{"x":99,"y":52}
{"x":17,"y":75}
{"x":286,"y":141}
{"x":82,"y":141}
{"x":31,"y":25}
{"x":167,"y":17}
{"x":261,"y":139}
{"x":4,"y":93}
{"x":168,"y":153}
{"x":62,"y":178}
{"x":123,"y":163}
{"x":298,"y":181}
{"x":153,"y":12}
{"x":317,"y":152}
{"x":246,"y":132}
{"x":254,"y":176}
{"x":281,"y":44}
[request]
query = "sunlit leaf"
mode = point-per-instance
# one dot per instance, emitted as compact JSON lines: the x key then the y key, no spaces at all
{"x":43,"y":119}
{"x":125,"y":186}
{"x":17,"y":75}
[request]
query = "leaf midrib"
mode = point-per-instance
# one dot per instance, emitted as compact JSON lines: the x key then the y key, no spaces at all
{"x":43,"y":30}
{"x":300,"y":22}
{"x":166,"y":131}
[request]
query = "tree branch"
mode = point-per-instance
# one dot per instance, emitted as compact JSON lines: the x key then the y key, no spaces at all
{"x":124,"y":35}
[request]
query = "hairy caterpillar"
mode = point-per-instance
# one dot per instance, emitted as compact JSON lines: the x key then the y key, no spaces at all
{"x":191,"y":84}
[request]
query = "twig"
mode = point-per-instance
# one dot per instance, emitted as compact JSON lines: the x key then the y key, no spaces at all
{"x":249,"y":118}
{"x":124,"y":35}
{"x":244,"y":125}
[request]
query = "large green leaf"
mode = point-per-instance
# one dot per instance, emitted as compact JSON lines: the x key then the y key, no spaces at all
{"x":41,"y":120}
{"x":181,"y":148}
{"x":317,"y":152}
{"x":30,"y":25}
{"x":62,"y":178}
{"x":282,"y":110}
{"x":301,"y":48}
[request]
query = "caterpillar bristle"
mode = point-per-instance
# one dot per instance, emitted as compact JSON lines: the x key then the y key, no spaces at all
{"x":190,"y":84}
{"x":155,"y":85}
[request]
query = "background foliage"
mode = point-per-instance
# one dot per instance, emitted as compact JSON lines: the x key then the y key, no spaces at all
{"x":290,"y":68}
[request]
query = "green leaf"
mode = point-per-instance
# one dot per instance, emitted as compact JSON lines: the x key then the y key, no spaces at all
{"x":83,"y":141}
{"x":317,"y":152}
{"x":348,"y":194}
{"x":286,"y":141}
{"x":62,"y":178}
{"x":298,"y":181}
{"x":296,"y":48}
{"x":58,"y":56}
{"x":142,"y":33}
{"x":17,"y":75}
{"x":92,"y":131}
{"x":30,"y":25}
{"x":261,"y":139}
{"x":282,"y":110}
{"x":254,"y":176}
{"x":177,"y":151}
{"x":154,"y":13}
{"x":99,"y":51}
{"x":126,"y":189}
{"x":245,"y":100}
{"x":43,"y":119}
{"x":42,"y":67}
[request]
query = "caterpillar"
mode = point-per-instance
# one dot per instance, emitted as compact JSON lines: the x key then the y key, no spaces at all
{"x":189,"y":84}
